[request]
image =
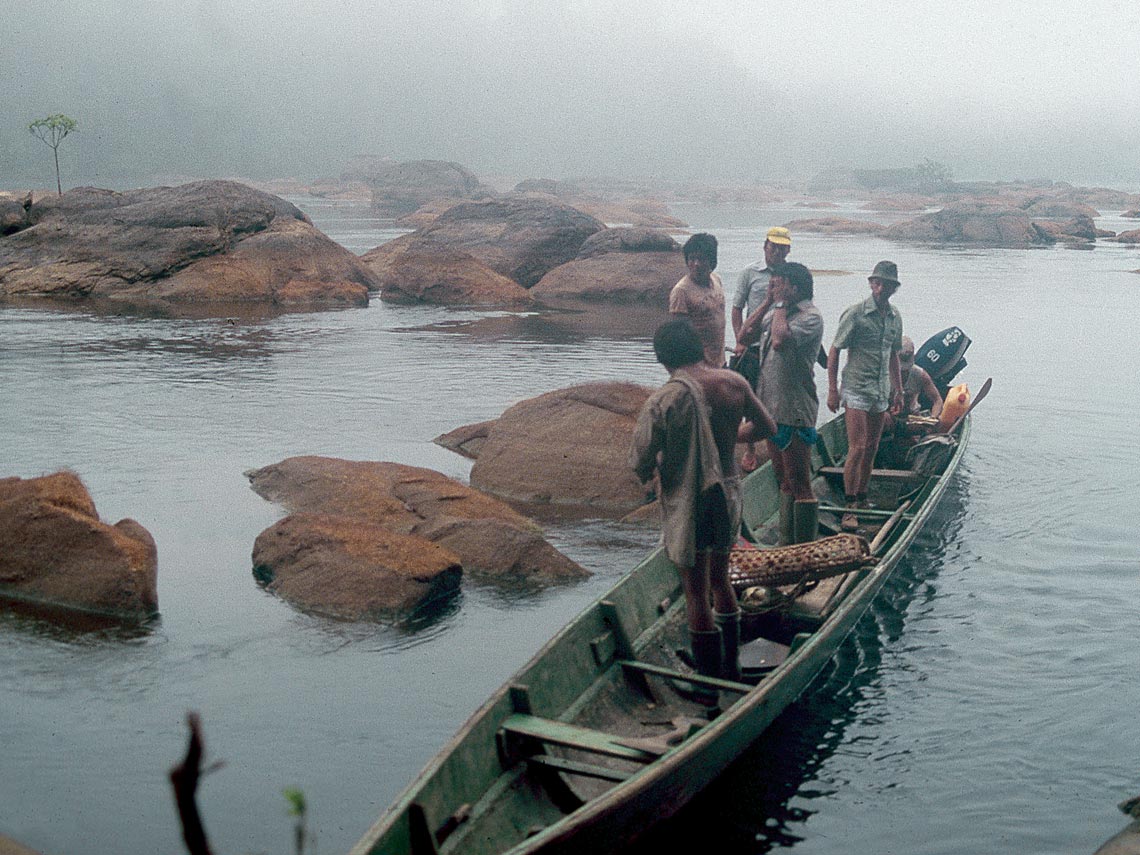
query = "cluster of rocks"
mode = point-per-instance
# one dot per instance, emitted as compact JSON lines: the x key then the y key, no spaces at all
{"x":214,"y":242}
{"x":363,"y":540}
{"x":1040,"y":221}
{"x":520,"y":249}
{"x":373,"y":540}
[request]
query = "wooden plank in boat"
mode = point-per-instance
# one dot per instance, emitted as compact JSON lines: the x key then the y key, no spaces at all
{"x":572,"y":736}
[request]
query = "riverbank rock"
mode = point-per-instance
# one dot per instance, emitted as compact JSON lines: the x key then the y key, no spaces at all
{"x":1132,"y":236}
{"x":969,"y":222}
{"x":420,"y":272}
{"x":622,"y":265}
{"x":1132,"y":215}
{"x":489,"y":537}
{"x":400,"y":187}
{"x":567,"y":449}
{"x":14,"y":210}
{"x":835,"y":226}
{"x":520,"y":236}
{"x":56,"y":552}
{"x":8,"y":846}
{"x":208,"y":242}
{"x":352,"y":569}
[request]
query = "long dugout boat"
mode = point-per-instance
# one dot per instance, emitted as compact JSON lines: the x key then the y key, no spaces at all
{"x":588,"y":745}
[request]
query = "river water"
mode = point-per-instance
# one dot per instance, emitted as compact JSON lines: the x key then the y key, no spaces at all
{"x":986,"y":703}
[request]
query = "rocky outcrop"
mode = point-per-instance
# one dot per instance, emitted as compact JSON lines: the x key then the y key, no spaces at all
{"x":567,"y":449}
{"x":467,"y":440}
{"x":521,"y":237}
{"x":489,"y":538}
{"x":400,"y":187}
{"x":411,"y":271}
{"x":1132,"y":215}
{"x":1132,"y":236}
{"x":14,"y":213}
{"x":612,"y":208}
{"x":206,"y":242}
{"x":969,"y":222}
{"x":900,"y":202}
{"x":620,"y":265}
{"x":353,"y":569}
{"x":835,"y":226}
{"x":1053,"y":208}
{"x":1079,"y":230}
{"x":56,"y":552}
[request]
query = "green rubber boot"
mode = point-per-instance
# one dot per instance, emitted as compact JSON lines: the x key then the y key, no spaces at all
{"x":730,"y":636}
{"x":707,"y":657}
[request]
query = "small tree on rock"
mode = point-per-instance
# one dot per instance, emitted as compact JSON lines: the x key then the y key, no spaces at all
{"x":52,"y":131}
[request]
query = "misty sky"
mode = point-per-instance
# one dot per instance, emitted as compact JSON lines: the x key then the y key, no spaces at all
{"x":728,"y":90}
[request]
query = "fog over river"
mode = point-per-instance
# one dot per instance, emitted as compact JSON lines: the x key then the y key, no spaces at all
{"x":986,"y":703}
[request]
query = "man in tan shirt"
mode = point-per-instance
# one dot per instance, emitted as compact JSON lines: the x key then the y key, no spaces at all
{"x":699,"y":297}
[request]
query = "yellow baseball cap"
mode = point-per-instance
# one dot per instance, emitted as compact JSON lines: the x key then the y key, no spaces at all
{"x":780,"y":235}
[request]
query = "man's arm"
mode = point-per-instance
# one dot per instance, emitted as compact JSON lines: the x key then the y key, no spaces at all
{"x":648,"y":439}
{"x":833,"y":379}
{"x":930,"y":391}
{"x":895,"y":371}
{"x":758,"y":422}
{"x":737,"y":323}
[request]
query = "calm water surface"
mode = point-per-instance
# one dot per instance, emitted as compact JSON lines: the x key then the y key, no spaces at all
{"x":986,"y":703}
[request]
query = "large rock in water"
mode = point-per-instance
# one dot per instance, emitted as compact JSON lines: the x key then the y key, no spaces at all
{"x":350,"y":568}
{"x":519,"y":236}
{"x":623,"y":265}
{"x":56,"y":552}
{"x":489,"y":538}
{"x":411,"y":271}
{"x":568,"y":448}
{"x":969,"y":222}
{"x":400,"y":187}
{"x":209,"y":241}
{"x":836,"y":226}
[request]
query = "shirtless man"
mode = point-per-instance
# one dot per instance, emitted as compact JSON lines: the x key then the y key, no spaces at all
{"x":687,"y":432}
{"x":699,"y":296}
{"x":917,"y":385}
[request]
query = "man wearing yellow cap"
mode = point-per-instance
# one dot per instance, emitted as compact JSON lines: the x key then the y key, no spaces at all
{"x":751,"y":295}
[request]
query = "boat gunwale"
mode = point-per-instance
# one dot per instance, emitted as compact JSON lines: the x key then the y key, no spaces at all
{"x":824,"y":640}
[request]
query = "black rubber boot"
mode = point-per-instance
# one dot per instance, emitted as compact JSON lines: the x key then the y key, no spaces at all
{"x":730,"y":636}
{"x":787,"y":519}
{"x":706,"y":657}
{"x":806,"y":521}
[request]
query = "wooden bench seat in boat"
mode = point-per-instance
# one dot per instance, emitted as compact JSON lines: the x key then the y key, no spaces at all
{"x":881,"y":474}
{"x":568,"y":735}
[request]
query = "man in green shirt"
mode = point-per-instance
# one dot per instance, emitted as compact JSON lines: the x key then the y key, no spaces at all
{"x":871,"y":333}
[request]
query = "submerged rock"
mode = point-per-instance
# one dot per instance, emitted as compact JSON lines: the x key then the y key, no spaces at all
{"x":566,"y":449}
{"x":969,"y":222}
{"x":520,"y":236}
{"x":623,"y":265}
{"x":488,"y":537}
{"x":410,"y":271}
{"x":56,"y":552}
{"x":836,"y":226}
{"x":351,"y":568}
{"x":209,"y":241}
{"x":400,"y":187}
{"x":1132,"y":236}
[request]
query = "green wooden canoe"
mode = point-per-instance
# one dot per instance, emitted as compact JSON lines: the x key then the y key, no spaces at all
{"x":588,"y":745}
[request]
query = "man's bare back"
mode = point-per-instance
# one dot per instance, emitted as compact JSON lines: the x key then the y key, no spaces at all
{"x":730,"y":400}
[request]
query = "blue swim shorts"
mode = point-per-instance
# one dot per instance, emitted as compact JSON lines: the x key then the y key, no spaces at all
{"x":784,"y":434}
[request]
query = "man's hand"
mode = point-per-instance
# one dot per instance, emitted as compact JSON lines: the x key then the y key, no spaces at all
{"x":833,"y":400}
{"x":896,"y":402}
{"x":739,"y":349}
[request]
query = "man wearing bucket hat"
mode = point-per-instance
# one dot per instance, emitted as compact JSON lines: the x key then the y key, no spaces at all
{"x":752,"y":294}
{"x":871,"y":333}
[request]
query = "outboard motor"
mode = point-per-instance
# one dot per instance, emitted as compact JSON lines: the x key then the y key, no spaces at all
{"x":943,"y":356}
